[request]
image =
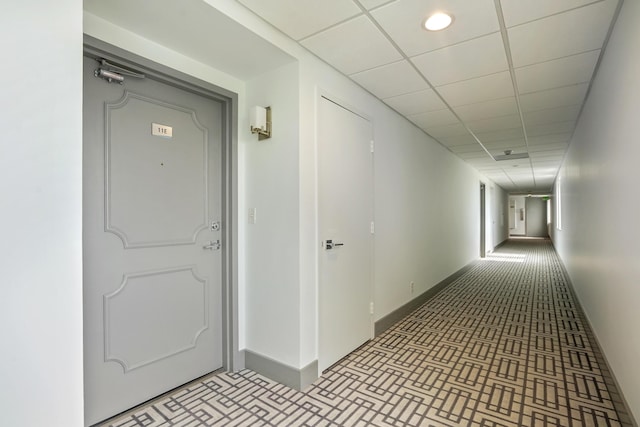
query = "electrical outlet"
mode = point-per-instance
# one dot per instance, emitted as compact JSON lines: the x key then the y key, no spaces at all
{"x":412,"y":286}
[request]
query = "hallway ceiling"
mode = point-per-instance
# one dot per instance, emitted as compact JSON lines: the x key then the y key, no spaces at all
{"x":506,"y":75}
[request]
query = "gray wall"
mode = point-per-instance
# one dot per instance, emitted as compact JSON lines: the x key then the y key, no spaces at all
{"x":536,"y":210}
{"x":599,"y":240}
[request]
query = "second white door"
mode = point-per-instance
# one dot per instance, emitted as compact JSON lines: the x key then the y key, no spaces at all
{"x":345,"y":192}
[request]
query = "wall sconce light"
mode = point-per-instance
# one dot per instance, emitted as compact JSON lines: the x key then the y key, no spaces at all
{"x":260,"y":121}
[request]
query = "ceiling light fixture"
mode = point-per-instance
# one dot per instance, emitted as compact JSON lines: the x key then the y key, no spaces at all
{"x":438,"y":21}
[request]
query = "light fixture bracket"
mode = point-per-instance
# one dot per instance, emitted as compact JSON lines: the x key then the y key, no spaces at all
{"x":260,"y":122}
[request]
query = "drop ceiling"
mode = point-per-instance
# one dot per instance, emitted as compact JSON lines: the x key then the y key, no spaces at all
{"x":506,"y":75}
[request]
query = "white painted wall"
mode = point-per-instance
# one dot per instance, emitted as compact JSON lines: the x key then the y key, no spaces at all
{"x":599,"y":241}
{"x":427,"y":214}
{"x":41,"y":212}
{"x":271,"y":245}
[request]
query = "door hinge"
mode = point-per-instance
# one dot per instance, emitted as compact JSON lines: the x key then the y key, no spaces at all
{"x":372,"y":146}
{"x":371,"y":307}
{"x":373,"y":227}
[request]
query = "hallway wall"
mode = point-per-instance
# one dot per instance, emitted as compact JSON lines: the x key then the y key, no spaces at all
{"x":41,"y":211}
{"x":271,"y":247}
{"x":425,"y":229}
{"x":536,"y":209}
{"x":599,"y":240}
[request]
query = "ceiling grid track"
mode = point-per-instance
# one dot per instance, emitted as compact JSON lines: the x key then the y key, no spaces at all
{"x":508,"y":76}
{"x":406,"y":58}
{"x":512,"y":71}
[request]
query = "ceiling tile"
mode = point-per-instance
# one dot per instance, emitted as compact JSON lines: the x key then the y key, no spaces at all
{"x":545,"y":172}
{"x":301,"y":18}
{"x":484,"y":161}
{"x":445,"y":131}
{"x":551,"y":98}
{"x":572,"y":32}
{"x":493,"y":170}
{"x":476,"y":156}
{"x":547,"y":164}
{"x":434,"y":118}
{"x":548,"y":147}
{"x":372,"y":4}
{"x":474,"y":58}
{"x":501,"y":135}
{"x":468,"y":148}
{"x":522,"y":176}
{"x":517,"y":145}
{"x":485,"y":110}
{"x":557,"y":73}
{"x":464,"y":139}
{"x":342,"y":46}
{"x":480,"y":89}
{"x":416,"y":102}
{"x":495,"y":123}
{"x":555,"y":155}
{"x":402,"y":20}
{"x":391,"y":80}
{"x":552,"y":128}
{"x":549,"y":138}
{"x":517,"y":169}
{"x":552,"y":115}
{"x":517,"y":11}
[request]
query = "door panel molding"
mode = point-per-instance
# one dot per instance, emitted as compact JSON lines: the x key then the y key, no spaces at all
{"x":201,"y":303}
{"x":233,"y":358}
{"x":190,"y":236}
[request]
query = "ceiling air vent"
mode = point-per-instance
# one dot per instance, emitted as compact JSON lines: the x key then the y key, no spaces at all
{"x":508,"y":155}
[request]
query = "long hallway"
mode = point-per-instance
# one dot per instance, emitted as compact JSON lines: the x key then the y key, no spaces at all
{"x":506,"y":344}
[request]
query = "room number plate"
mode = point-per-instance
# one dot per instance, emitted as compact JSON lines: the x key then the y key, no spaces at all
{"x":161,"y":130}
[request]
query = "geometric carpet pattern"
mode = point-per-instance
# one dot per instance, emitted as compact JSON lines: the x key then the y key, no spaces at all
{"x":505,"y":344}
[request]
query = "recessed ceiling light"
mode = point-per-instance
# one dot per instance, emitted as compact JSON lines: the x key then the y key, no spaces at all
{"x":438,"y":21}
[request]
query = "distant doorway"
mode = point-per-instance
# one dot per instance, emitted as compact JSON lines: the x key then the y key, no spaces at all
{"x":483,"y":236}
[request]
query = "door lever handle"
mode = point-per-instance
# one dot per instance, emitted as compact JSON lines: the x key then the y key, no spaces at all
{"x":212,"y":245}
{"x":330,"y":244}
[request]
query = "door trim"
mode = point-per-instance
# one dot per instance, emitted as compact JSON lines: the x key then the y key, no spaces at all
{"x":232,"y":358}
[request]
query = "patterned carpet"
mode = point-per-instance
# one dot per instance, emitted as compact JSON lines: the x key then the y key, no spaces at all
{"x":504,"y":345}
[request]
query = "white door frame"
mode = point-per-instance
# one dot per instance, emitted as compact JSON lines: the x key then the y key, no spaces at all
{"x":231,"y":356}
{"x":322,"y":93}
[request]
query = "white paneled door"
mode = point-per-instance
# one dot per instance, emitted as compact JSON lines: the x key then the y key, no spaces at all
{"x":345,"y":191}
{"x":152,"y":260}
